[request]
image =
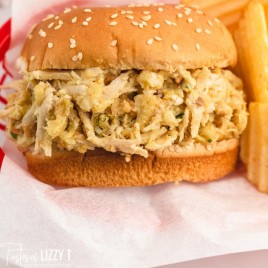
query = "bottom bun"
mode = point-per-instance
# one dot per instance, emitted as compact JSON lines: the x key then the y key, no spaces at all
{"x":100,"y":168}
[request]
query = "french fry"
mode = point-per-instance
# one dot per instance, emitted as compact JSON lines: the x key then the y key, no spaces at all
{"x":253,"y":32}
{"x":232,"y":28}
{"x":231,"y":18}
{"x":231,"y":22}
{"x":255,"y":146}
{"x":241,"y":67}
{"x":227,"y":7}
{"x":265,"y":5}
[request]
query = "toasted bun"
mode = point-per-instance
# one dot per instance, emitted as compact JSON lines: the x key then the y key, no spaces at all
{"x":100,"y":168}
{"x":115,"y":37}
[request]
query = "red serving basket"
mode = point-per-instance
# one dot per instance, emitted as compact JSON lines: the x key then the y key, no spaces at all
{"x":5,"y":31}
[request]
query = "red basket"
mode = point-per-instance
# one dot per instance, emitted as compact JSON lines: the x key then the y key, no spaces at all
{"x":5,"y":39}
{"x":4,"y":45}
{"x":5,"y":31}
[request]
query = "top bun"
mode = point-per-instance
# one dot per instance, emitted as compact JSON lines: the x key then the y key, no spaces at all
{"x":155,"y":37}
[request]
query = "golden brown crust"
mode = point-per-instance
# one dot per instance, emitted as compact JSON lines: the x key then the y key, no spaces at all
{"x":100,"y":168}
{"x":190,"y":39}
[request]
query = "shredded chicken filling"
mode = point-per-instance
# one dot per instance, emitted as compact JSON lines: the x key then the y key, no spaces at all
{"x":131,"y":112}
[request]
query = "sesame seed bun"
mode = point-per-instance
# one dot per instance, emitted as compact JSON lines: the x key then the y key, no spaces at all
{"x":149,"y":37}
{"x":100,"y":168}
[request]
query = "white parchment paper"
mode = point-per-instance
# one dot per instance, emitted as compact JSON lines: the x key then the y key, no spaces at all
{"x":124,"y":227}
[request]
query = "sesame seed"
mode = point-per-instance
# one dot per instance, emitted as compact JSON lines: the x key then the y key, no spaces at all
{"x":199,"y":12}
{"x":207,"y":31}
{"x":180,"y":15}
{"x":217,"y":20}
{"x":177,"y":7}
{"x":146,"y":18}
{"x":60,"y":22}
{"x":187,"y":12}
{"x":146,"y":12}
{"x":135,"y":23}
{"x":130,"y":17}
{"x":113,"y":23}
{"x":197,"y":46}
{"x":66,"y":10}
{"x":210,"y":23}
{"x":72,"y":43}
{"x":74,"y":20}
{"x":189,"y":20}
{"x":88,"y":19}
{"x":198,"y":30}
{"x":72,"y":40}
{"x":168,"y":22}
{"x":175,"y":47}
{"x":50,"y":25}
{"x":75,"y":58}
{"x":188,"y":9}
{"x":87,"y":10}
{"x":157,"y":25}
{"x":57,"y":17}
{"x":114,"y":16}
{"x":160,"y":9}
{"x":140,"y":25}
{"x":130,"y":12}
{"x":50,"y":16}
{"x":57,"y":27}
{"x":113,"y":43}
{"x":49,"y":45}
{"x":80,"y":55}
{"x":42,"y":33}
{"x":144,"y":23}
{"x":85,"y":23}
{"x":157,"y":38}
{"x":123,"y":12}
{"x":32,"y":58}
{"x":150,"y":41}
